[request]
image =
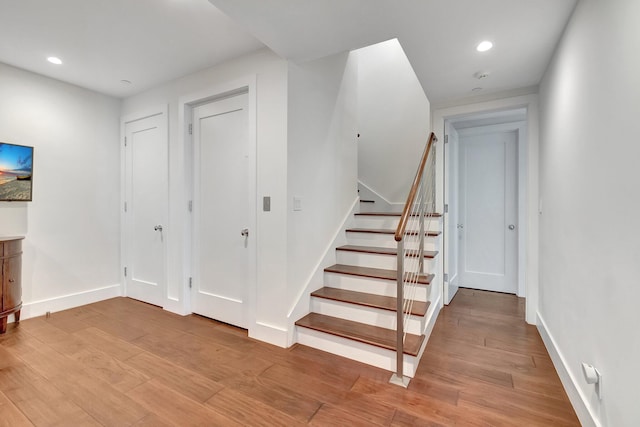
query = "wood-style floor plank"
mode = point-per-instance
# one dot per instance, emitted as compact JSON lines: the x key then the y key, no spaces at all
{"x":120,"y":375}
{"x":249,"y":411}
{"x":45,"y":405}
{"x":294,"y":404}
{"x":329,"y":415}
{"x":103,"y":402}
{"x":107,"y":343}
{"x":176,"y":409}
{"x":11,"y":416}
{"x":188,"y":383}
{"x":123,"y":362}
{"x":152,"y":420}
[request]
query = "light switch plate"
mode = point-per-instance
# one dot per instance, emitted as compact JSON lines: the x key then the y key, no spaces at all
{"x":297,"y":203}
{"x":266,"y":203}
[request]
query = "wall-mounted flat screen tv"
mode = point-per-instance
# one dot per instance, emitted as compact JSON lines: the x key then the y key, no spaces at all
{"x":16,"y":173}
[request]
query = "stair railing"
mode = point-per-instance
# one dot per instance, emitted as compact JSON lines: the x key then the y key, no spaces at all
{"x":410,"y":234}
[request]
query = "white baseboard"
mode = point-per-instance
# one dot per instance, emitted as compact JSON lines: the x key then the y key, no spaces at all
{"x":269,"y":333}
{"x":65,"y":302}
{"x":432,"y":317}
{"x":583,"y":409}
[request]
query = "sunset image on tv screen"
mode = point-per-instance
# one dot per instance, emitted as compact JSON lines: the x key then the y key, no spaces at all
{"x":16,"y":172}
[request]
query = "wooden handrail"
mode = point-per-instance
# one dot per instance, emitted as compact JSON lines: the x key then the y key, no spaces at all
{"x":402,"y":225}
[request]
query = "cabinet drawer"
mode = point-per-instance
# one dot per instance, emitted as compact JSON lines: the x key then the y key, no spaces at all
{"x":12,"y":247}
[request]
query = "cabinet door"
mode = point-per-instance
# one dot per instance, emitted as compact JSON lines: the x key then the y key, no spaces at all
{"x":2,"y":286}
{"x":11,"y":272}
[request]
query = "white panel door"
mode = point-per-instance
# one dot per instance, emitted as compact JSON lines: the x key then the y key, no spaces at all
{"x":451,"y":217}
{"x":488,"y":212}
{"x":146,"y":196}
{"x":223,"y":206}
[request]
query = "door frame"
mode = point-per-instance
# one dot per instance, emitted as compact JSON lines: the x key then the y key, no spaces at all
{"x":530,"y":195}
{"x":185,"y":120}
{"x":161,"y":110}
{"x":520,"y":129}
{"x":449,"y":286}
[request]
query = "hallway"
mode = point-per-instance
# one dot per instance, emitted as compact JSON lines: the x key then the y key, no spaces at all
{"x":482,"y":348}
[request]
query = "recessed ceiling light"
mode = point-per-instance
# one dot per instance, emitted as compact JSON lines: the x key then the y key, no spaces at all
{"x":476,"y":89}
{"x":125,"y":82}
{"x":55,"y":60}
{"x":484,"y":46}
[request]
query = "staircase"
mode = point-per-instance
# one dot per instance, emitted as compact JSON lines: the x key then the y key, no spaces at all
{"x":354,"y":313}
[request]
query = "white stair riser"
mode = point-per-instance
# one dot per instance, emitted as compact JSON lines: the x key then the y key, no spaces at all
{"x":369,"y":285}
{"x":389,"y":262}
{"x":392,"y":223}
{"x":431,"y":243}
{"x":368,"y":315}
{"x":355,"y":350}
{"x":368,"y":207}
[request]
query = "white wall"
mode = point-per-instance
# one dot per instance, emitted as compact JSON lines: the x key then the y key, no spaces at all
{"x":271,"y":81}
{"x":589,"y":245}
{"x":71,"y":250}
{"x":322,"y":161}
{"x":393,"y":121}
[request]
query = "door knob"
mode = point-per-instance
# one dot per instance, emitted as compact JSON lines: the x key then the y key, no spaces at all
{"x":158,"y":228}
{"x":512,"y":227}
{"x":244,"y":232}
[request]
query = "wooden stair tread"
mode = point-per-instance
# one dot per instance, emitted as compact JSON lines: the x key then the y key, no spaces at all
{"x":419,"y":308}
{"x":398,"y":214}
{"x":373,"y":335}
{"x":376,"y":273}
{"x":390,"y":231}
{"x":380,"y":251}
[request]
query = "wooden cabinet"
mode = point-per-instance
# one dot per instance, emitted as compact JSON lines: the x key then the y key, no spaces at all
{"x":10,"y":277}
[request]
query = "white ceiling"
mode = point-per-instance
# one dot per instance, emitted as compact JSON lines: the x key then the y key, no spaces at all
{"x":152,"y":41}
{"x":105,"y":41}
{"x":438,"y":36}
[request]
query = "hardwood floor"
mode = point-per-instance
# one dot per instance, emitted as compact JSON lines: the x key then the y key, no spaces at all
{"x":121,"y":362}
